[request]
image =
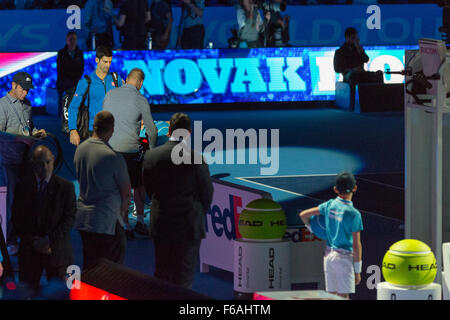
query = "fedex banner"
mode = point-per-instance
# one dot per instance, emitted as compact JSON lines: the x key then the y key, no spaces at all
{"x":322,"y":25}
{"x":221,"y":223}
{"x":214,"y":75}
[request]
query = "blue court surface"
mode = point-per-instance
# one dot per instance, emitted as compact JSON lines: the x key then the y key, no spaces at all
{"x":314,"y":145}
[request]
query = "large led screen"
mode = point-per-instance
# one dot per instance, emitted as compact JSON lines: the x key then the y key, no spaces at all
{"x":216,"y":75}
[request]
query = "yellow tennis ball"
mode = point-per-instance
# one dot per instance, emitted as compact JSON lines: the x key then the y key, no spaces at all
{"x":409,"y":263}
{"x":262,"y":219}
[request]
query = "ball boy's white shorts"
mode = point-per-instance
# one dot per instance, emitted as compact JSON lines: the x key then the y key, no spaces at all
{"x":339,"y":272}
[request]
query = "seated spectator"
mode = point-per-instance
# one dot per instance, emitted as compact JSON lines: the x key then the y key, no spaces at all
{"x":70,"y":66}
{"x":161,"y":23}
{"x":349,"y":60}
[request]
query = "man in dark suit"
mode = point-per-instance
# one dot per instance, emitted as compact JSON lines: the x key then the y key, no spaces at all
{"x":43,"y":214}
{"x":181,"y":195}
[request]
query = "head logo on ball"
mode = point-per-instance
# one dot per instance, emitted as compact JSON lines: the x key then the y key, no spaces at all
{"x":409,"y":263}
{"x":262,"y":220}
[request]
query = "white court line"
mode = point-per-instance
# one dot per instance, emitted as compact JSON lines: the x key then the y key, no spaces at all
{"x":292,"y":176}
{"x":381,"y":183}
{"x":330,"y":174}
{"x":315,"y":175}
{"x":305,"y":196}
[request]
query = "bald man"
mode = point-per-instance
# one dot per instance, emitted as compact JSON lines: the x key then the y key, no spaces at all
{"x":43,"y":214}
{"x":129,"y":107}
{"x":104,"y":194}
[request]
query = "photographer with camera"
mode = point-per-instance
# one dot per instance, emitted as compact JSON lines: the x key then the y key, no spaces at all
{"x":277,"y":31}
{"x":251,"y":25}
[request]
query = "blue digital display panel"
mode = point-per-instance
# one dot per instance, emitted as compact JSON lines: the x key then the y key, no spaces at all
{"x":222,"y":76}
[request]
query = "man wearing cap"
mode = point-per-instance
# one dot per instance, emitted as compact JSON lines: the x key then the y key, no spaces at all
{"x":16,"y":118}
{"x":15,"y":109}
{"x":342,"y":260}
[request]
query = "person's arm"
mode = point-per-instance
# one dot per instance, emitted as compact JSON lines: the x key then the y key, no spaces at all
{"x":197,"y":10}
{"x":306,"y":215}
{"x":17,"y":213}
{"x":120,"y":21}
{"x":240,"y":17}
{"x":123,"y":183}
{"x":149,"y":124}
{"x":148,"y":171}
{"x":168,"y":30}
{"x":29,"y":119}
{"x":67,"y":220}
{"x":3,"y":118}
{"x":357,"y":255}
{"x":362,"y":54}
{"x":59,"y":64}
{"x":73,"y":111}
{"x":204,"y":185}
{"x":125,"y":198}
{"x":338,"y":62}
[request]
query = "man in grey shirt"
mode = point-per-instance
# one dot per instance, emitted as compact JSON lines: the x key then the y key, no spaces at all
{"x":104,"y":194}
{"x":16,"y":118}
{"x":129,"y":108}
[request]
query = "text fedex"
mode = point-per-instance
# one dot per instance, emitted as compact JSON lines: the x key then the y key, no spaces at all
{"x":224,"y":222}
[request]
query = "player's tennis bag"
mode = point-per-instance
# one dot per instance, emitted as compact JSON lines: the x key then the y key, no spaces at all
{"x":83,"y":112}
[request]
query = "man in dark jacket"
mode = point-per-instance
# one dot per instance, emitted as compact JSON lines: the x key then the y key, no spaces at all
{"x":181,"y":195}
{"x":349,"y":60}
{"x":70,"y":66}
{"x":43,"y":214}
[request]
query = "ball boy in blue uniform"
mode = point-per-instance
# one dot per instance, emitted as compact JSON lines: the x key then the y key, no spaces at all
{"x":342,"y":260}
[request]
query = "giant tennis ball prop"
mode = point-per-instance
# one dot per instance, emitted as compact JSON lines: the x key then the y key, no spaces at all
{"x":409,"y":263}
{"x":262,"y":220}
{"x":317,"y":224}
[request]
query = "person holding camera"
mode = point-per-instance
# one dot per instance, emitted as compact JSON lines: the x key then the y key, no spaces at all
{"x":251,"y":25}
